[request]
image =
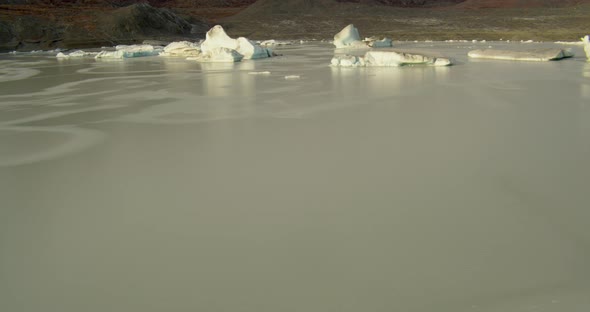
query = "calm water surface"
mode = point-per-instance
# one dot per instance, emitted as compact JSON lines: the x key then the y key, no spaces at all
{"x":156,"y":184}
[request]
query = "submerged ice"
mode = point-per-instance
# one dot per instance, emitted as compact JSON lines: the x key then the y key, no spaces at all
{"x":388,"y":59}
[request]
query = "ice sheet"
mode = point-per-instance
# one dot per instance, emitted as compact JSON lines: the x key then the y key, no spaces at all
{"x":194,"y":186}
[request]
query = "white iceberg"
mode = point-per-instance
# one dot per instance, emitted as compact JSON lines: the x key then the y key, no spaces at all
{"x":77,"y":53}
{"x":251,"y":50}
{"x":538,"y":55}
{"x":348,"y":37}
{"x":217,"y":38}
{"x":128,"y":51}
{"x":218,"y":55}
{"x":388,"y":59}
{"x":181,"y":48}
{"x":586,"y":41}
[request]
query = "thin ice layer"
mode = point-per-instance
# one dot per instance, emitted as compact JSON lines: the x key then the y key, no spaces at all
{"x":538,"y":55}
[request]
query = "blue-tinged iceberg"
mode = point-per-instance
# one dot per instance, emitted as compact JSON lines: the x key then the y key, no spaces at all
{"x":129,"y":51}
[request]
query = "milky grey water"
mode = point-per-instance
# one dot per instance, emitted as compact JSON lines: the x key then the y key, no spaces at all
{"x":155,"y":184}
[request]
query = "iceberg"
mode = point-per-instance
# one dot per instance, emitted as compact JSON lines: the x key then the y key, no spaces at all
{"x":539,"y":55}
{"x":217,"y":38}
{"x":349,"y":37}
{"x":181,"y":48}
{"x":128,"y":51}
{"x":218,"y":55}
{"x":388,"y":59}
{"x":586,"y":41}
{"x":77,"y":53}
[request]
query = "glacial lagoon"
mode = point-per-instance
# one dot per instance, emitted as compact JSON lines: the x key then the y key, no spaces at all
{"x":161,"y":184}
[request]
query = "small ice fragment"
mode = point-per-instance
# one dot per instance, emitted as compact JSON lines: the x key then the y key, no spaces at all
{"x":586,"y":41}
{"x":292,"y":77}
{"x":383,"y":43}
{"x":259,"y":73}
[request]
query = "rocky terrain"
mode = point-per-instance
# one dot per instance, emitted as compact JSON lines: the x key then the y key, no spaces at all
{"x":48,"y":24}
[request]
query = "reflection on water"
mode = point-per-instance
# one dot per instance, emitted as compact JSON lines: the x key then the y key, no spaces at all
{"x":160,"y":184}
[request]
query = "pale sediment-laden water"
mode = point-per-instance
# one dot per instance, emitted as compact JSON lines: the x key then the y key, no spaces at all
{"x":160,"y":184}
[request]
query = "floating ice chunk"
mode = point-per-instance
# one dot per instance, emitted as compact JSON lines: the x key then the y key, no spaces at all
{"x":181,"y":48}
{"x":110,"y":54}
{"x":586,"y":41}
{"x":251,"y":50}
{"x":218,"y":55}
{"x":217,"y":38}
{"x":272,"y":42}
{"x":292,"y":77}
{"x":388,"y":59}
{"x":539,"y":55}
{"x":128,"y":51}
{"x":383,"y":43}
{"x":348,"y":61}
{"x":259,"y":73}
{"x":77,"y":53}
{"x":348,"y":37}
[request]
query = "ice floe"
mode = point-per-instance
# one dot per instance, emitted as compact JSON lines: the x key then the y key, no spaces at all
{"x":388,"y":59}
{"x":539,"y":55}
{"x":182,"y":48}
{"x":128,"y":51}
{"x":586,"y":41}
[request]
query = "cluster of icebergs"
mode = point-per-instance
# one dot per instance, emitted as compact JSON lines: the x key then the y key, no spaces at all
{"x":349,"y":38}
{"x":219,"y":47}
